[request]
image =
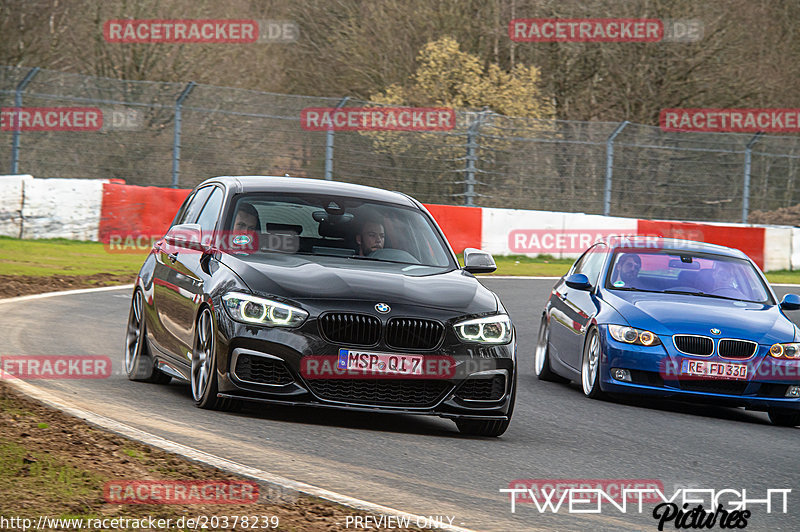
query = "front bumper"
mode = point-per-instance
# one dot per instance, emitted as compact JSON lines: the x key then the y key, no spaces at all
{"x":656,"y":371}
{"x":480,"y":387}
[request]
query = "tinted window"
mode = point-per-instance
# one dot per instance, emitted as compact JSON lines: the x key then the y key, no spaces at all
{"x":197,"y":202}
{"x":335,"y":226}
{"x":701,"y":274}
{"x":210,"y":213}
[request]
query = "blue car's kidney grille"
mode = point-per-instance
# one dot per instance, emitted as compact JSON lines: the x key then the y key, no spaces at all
{"x":351,"y":329}
{"x":694,"y":345}
{"x":736,"y":348}
{"x":410,"y":333}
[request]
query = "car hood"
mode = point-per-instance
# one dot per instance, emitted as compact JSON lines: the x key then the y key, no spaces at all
{"x":301,"y":279}
{"x":668,"y":314}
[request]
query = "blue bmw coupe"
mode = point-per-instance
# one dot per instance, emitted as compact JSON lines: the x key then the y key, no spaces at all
{"x":671,"y":318}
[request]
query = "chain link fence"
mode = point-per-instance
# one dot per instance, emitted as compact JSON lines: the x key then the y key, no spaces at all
{"x":177,"y":134}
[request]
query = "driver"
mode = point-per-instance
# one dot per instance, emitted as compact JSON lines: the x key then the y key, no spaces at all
{"x":246,"y":218}
{"x":628,"y":267}
{"x":371,"y":237}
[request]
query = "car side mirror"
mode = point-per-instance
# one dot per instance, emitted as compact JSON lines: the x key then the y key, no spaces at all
{"x":790,"y":302}
{"x":187,"y":236}
{"x":477,"y":261}
{"x":578,"y":281}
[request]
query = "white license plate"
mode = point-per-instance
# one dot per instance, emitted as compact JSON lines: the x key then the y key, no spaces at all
{"x":719,"y":370}
{"x":382,"y":363}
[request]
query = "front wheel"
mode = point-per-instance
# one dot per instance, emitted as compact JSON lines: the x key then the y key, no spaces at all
{"x":590,"y":366}
{"x":204,"y":367}
{"x":541,"y":357}
{"x":783,"y":417}
{"x":139,"y":364}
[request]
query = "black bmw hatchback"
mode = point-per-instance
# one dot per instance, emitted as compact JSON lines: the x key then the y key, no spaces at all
{"x":308,"y":292}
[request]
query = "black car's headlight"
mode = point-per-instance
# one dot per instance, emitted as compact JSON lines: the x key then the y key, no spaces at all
{"x":629,"y":335}
{"x":489,"y":330}
{"x":262,"y":311}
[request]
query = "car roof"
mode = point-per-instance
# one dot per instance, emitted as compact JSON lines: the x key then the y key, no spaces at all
{"x":304,"y":185}
{"x":646,"y":243}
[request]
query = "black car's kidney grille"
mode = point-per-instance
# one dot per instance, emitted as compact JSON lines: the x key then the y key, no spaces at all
{"x":262,"y":370}
{"x":483,"y":389}
{"x":694,"y":345}
{"x":387,"y":392}
{"x":715,"y":386}
{"x":351,"y":329}
{"x":412,"y":333}
{"x":736,"y":348}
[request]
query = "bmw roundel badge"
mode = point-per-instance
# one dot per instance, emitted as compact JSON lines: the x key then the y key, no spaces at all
{"x":716,"y":331}
{"x":383,"y":308}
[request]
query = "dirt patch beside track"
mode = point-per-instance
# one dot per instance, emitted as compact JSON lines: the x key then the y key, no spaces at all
{"x":56,"y":465}
{"x":23,"y":285}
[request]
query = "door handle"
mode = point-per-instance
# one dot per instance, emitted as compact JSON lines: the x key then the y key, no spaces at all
{"x":172,"y":257}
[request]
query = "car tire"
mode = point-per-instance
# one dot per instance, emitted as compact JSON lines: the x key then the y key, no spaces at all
{"x":590,"y":365}
{"x":541,"y":356}
{"x":138,"y":362}
{"x":489,"y":428}
{"x":784,"y":417}
{"x":203,"y":376}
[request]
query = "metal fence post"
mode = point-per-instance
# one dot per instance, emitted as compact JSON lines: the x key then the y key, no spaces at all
{"x":748,"y":152}
{"x":16,"y":131}
{"x":610,"y":166}
{"x":329,"y":144}
{"x":472,"y":145}
{"x":176,"y":141}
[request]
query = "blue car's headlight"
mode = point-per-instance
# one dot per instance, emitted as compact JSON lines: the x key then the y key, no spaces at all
{"x":262,"y":311}
{"x":629,"y":335}
{"x":489,"y":330}
{"x":789,"y":350}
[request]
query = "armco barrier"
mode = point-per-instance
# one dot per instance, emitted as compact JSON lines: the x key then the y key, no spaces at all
{"x":88,"y":209}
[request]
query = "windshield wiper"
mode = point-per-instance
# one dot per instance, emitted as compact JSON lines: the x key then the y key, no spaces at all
{"x":362,"y":257}
{"x":699,"y":293}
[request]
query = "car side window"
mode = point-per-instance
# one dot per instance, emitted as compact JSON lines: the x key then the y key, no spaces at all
{"x":591,"y":263}
{"x":182,"y":209}
{"x":199,"y":199}
{"x":210,"y":213}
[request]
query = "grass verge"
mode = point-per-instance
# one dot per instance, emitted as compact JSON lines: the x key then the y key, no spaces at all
{"x":61,"y":258}
{"x":57,"y":466}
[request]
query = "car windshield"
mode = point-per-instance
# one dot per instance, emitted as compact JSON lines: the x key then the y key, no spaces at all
{"x":692,"y":273}
{"x":334,"y":226}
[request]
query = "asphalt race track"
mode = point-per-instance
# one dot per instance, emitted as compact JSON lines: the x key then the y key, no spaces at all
{"x":422,"y":465}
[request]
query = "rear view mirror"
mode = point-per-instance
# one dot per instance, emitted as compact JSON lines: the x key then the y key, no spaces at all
{"x":790,"y":302}
{"x":578,"y":281}
{"x":477,"y":261}
{"x":188,"y":236}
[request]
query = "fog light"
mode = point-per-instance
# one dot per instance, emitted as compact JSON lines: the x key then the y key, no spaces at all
{"x":793,"y":391}
{"x":621,"y":374}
